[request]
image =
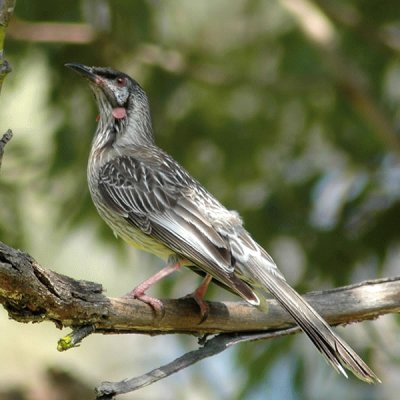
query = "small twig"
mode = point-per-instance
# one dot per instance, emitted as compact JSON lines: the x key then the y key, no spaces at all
{"x":218,"y":344}
{"x":75,"y":337}
{"x":3,"y":141}
{"x":6,"y":12}
{"x":107,"y":390}
{"x":76,"y":33}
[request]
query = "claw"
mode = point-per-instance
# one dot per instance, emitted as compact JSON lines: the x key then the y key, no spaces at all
{"x":156,"y":304}
{"x":140,"y":291}
{"x":198,"y":297}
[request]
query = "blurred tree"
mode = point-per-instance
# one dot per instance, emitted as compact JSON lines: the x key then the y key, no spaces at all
{"x":287,"y":111}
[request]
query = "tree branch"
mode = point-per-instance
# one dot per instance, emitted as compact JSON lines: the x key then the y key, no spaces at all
{"x":216,"y":345}
{"x":6,"y":12}
{"x":31,"y":293}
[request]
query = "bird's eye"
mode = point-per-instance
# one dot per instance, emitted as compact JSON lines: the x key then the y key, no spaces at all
{"x":121,"y":82}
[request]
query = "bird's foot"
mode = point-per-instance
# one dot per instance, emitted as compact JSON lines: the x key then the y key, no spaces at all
{"x":140,"y":291}
{"x":156,"y":304}
{"x":198,"y":297}
{"x":203,"y":305}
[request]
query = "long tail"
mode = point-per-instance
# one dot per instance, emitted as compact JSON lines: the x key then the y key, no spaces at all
{"x":337,"y":352}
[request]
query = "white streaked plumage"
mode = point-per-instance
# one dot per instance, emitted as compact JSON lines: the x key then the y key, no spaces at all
{"x":150,"y":201}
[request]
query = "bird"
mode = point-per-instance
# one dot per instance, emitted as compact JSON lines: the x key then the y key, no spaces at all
{"x":154,"y":204}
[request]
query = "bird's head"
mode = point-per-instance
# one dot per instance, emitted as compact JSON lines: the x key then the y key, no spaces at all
{"x":121,"y":100}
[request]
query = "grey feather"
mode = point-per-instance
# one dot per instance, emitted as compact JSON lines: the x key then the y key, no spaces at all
{"x":160,"y":202}
{"x":151,"y":201}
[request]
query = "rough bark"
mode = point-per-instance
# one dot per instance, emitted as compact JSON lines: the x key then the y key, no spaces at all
{"x":31,"y":293}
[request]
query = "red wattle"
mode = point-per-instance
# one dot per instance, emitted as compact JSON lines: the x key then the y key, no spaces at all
{"x":119,"y":112}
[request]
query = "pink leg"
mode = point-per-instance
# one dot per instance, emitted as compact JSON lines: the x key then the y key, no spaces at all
{"x":139,"y":292}
{"x":198,"y":296}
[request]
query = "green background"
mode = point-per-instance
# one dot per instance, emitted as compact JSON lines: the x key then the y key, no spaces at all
{"x":287,"y":111}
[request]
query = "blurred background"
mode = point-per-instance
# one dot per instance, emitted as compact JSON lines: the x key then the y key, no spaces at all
{"x":288,"y":111}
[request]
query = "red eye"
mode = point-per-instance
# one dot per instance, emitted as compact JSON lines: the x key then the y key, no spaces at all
{"x":121,"y":82}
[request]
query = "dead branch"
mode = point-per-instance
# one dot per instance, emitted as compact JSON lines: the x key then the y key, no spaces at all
{"x":31,"y":293}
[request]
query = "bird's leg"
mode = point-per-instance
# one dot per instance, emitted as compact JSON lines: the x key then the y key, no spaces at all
{"x":139,"y":292}
{"x":198,"y":296}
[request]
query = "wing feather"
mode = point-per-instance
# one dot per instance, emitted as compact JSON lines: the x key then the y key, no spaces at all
{"x":161,"y":202}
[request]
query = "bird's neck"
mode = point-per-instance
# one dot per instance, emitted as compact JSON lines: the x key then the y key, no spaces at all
{"x":133,"y":130}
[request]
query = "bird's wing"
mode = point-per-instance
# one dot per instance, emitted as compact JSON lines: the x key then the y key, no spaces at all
{"x":160,"y":200}
{"x":162,"y":204}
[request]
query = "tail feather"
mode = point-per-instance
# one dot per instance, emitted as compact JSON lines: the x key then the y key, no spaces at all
{"x":336,"y":351}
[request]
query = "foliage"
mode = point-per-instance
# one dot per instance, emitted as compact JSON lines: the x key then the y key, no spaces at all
{"x":286,"y":113}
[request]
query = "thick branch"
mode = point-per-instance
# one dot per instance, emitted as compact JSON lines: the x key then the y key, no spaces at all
{"x":31,"y":293}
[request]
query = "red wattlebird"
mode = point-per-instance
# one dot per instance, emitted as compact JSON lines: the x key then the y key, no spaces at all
{"x":152,"y":203}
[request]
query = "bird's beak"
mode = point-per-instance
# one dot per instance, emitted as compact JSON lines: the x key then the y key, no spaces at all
{"x":84,"y":71}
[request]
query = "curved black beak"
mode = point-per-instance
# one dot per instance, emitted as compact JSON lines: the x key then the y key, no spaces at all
{"x":83,"y":70}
